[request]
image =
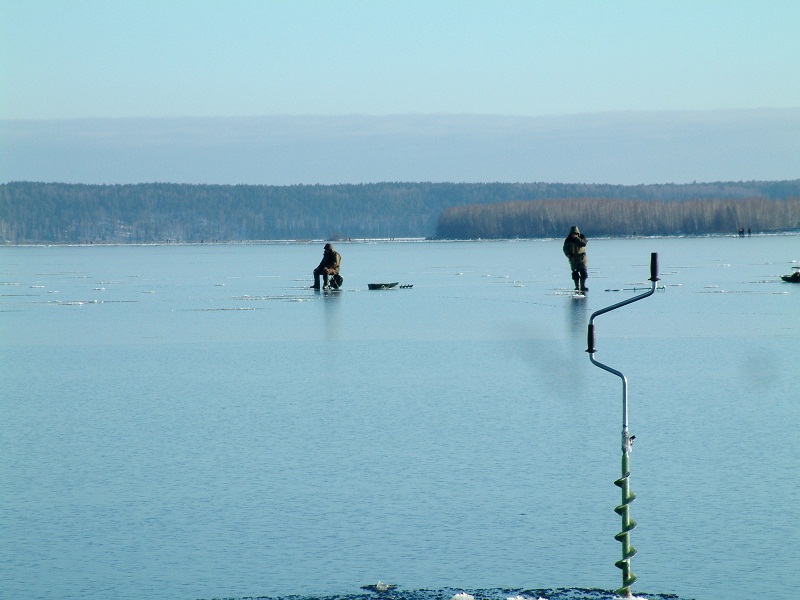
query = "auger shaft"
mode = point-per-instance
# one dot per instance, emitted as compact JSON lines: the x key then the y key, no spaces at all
{"x":628,"y":524}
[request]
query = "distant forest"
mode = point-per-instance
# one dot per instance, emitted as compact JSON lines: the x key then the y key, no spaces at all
{"x":32,"y":212}
{"x":610,"y":217}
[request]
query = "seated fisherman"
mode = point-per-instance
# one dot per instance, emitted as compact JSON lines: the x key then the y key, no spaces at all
{"x":328,"y":267}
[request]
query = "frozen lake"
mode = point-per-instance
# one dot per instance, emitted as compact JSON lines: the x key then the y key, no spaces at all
{"x":191,"y":421}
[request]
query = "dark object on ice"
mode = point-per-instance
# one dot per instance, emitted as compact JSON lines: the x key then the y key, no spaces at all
{"x":379,"y":587}
{"x":793,"y":278}
{"x":382,"y":286}
{"x":389,"y":286}
{"x":336,"y":281}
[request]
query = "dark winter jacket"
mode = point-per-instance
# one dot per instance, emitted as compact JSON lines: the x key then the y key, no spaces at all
{"x":575,"y":250}
{"x":331,"y":261}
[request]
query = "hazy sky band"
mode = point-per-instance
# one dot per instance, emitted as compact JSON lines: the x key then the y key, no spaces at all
{"x":619,"y":148}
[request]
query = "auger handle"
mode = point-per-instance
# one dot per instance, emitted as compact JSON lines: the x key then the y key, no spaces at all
{"x":654,"y":266}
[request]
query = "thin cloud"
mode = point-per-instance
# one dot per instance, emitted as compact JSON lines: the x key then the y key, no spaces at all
{"x":618,"y":148}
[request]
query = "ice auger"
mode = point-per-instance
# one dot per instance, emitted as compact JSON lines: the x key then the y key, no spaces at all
{"x":628,"y":551}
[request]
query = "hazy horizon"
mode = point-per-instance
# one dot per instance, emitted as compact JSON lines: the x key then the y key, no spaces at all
{"x":628,"y":148}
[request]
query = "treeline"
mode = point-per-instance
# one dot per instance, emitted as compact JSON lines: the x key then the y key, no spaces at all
{"x":614,"y":217}
{"x":32,"y":212}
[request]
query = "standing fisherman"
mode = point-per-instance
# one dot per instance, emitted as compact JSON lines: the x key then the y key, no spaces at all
{"x":575,"y":251}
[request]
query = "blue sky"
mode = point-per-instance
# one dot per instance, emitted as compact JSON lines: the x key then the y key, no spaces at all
{"x":166,"y":58}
